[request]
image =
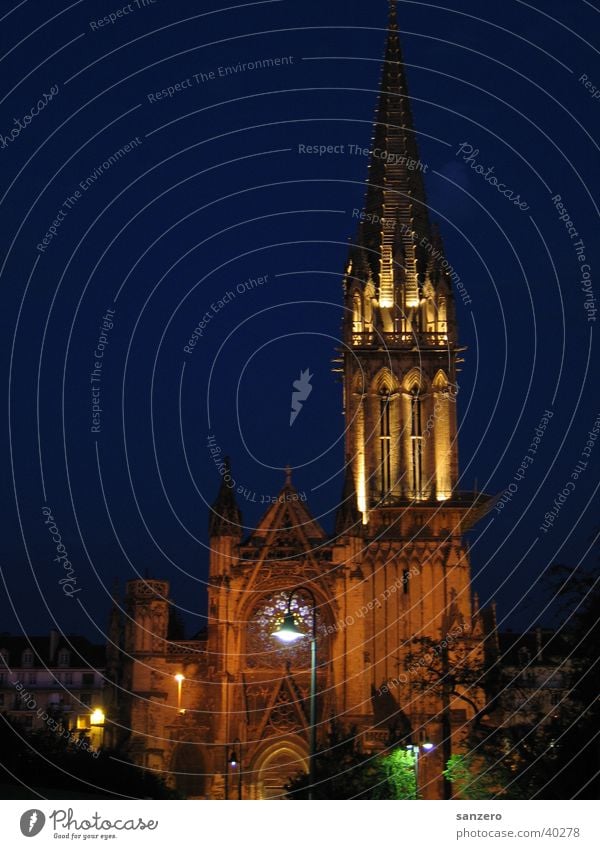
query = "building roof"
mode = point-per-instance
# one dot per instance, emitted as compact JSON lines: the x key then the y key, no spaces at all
{"x":46,"y":649}
{"x":537,"y":647}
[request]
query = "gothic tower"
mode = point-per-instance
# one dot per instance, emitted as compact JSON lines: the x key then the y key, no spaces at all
{"x":400,"y":330}
{"x":421,"y":637}
{"x":399,"y":636}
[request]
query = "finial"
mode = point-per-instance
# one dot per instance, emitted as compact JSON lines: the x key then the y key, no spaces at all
{"x":288,"y":475}
{"x":393,"y":12}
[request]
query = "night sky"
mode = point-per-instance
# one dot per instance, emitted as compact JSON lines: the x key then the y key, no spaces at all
{"x":155,"y":183}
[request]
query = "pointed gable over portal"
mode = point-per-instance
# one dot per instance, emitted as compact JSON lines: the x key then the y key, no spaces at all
{"x":288,"y":529}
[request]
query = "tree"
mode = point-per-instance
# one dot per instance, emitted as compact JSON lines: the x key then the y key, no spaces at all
{"x":550,"y":752}
{"x":52,"y":763}
{"x":344,"y":771}
{"x":399,"y":769}
{"x":451,"y":669}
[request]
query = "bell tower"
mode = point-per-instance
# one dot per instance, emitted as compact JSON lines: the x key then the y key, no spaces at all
{"x":421,"y":633}
{"x":400,"y":335}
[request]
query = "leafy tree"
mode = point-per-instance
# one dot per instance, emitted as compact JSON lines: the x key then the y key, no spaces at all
{"x":551,"y":753}
{"x":344,"y":771}
{"x":399,"y":769}
{"x":451,"y":669}
{"x":49,"y":762}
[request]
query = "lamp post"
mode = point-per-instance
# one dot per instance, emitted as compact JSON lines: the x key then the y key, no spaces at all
{"x":416,"y":750}
{"x":235,"y":762}
{"x":180,"y":679}
{"x":288,"y":632}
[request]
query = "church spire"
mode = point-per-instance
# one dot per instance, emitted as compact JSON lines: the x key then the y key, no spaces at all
{"x":399,"y":322}
{"x":225,"y":515}
{"x":395,"y":236}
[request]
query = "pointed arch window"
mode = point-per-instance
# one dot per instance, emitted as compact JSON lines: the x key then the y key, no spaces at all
{"x":385,"y":439}
{"x":416,"y":439}
{"x":357,"y":316}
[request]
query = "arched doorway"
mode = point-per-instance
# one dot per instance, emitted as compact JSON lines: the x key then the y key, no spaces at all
{"x":276,"y":765}
{"x":188,"y":771}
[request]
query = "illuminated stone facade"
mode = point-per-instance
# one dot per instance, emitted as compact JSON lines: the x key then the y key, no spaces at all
{"x":399,"y":640}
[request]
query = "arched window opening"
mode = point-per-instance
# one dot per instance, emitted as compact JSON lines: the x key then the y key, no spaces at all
{"x":416,"y":438}
{"x":385,"y":439}
{"x":430,"y":314}
{"x":357,"y":318}
{"x":442,"y":315}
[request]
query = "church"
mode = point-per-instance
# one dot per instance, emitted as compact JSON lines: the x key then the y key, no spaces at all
{"x":398,"y":636}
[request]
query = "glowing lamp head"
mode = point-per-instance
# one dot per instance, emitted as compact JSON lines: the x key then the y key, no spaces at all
{"x":288,"y":631}
{"x":179,"y":677}
{"x":428,"y":746}
{"x":97,"y":717}
{"x":233,"y":760}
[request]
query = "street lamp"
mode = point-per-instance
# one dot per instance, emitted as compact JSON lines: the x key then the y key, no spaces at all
{"x":235,"y":762}
{"x":416,"y":750}
{"x":288,"y":632}
{"x":180,"y":679}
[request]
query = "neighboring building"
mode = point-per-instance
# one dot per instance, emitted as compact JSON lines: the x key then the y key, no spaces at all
{"x":535,"y":680}
{"x":52,"y":681}
{"x":392,"y":585}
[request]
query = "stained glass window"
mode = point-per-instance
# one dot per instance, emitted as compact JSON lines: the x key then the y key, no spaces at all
{"x":265,"y":650}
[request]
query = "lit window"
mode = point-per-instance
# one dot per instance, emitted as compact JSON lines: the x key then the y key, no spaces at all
{"x":385,"y":442}
{"x":357,"y":324}
{"x":416,"y":438}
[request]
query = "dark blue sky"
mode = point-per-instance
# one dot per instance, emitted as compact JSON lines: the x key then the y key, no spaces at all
{"x":212,"y":192}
